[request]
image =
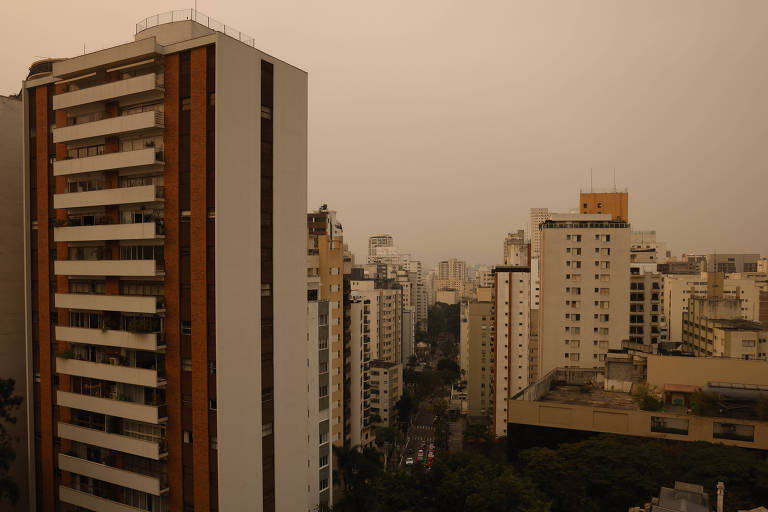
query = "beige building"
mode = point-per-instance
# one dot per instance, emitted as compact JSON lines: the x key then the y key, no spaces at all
{"x":386,"y":390}
{"x":585,"y":286}
{"x":599,"y":400}
{"x":360,"y":429}
{"x":511,"y":330}
{"x":713,"y":326}
{"x":612,"y":202}
{"x":517,"y":250}
{"x":386,"y":320}
{"x":375,"y":241}
{"x":476,"y":355}
{"x":751,"y":289}
{"x":538,"y":216}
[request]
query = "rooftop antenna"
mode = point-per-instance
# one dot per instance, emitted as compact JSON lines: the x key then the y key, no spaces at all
{"x":591,"y":189}
{"x":614,"y":179}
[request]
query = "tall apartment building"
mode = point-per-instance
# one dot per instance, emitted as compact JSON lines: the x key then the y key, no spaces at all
{"x":613,"y":202}
{"x":13,"y":360}
{"x":729,"y":263}
{"x":585,"y":285}
{"x":386,"y":320}
{"x":476,"y":354}
{"x":158,"y":174}
{"x":325,"y":246}
{"x":762,"y":265}
{"x":538,"y":216}
{"x":646,"y":317}
{"x":511,"y":331}
{"x":386,"y":390}
{"x":360,"y":427}
{"x":319,"y":457}
{"x":452,"y":270}
{"x":377,"y":241}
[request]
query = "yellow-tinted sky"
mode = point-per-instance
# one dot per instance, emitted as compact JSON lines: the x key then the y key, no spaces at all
{"x":442,"y":122}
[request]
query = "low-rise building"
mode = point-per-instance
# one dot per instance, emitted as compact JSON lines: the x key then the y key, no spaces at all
{"x":600,"y":400}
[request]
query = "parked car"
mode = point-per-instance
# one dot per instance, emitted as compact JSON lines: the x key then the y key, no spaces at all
{"x":409,"y":461}
{"x":420,"y":455}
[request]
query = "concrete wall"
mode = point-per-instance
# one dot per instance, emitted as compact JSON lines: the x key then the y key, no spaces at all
{"x":238,"y":280}
{"x":628,"y":422}
{"x":12,"y":316}
{"x":698,"y":371}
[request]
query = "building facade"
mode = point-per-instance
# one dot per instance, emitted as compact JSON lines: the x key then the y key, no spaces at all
{"x":13,"y":360}
{"x":538,"y":216}
{"x":157,"y":176}
{"x":377,"y":241}
{"x":386,"y":390}
{"x":585,"y":285}
{"x":511,"y":331}
{"x":476,"y":355}
{"x":614,"y":203}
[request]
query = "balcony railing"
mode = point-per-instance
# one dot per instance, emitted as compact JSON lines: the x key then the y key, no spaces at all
{"x":197,"y":17}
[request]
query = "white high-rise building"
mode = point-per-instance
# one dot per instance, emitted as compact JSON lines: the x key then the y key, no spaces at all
{"x":584,"y":276}
{"x":512,"y":306}
{"x":517,"y":250}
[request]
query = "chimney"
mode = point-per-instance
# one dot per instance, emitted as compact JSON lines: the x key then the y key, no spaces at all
{"x":720,"y":495}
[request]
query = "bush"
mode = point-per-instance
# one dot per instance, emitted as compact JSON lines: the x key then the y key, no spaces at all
{"x":705,"y":403}
{"x":647,"y":399}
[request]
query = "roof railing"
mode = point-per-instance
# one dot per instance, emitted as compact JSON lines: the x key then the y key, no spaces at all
{"x":197,"y":17}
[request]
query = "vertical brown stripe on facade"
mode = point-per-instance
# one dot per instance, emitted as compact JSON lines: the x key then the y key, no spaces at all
{"x":199,"y":286}
{"x":44,"y":301}
{"x":172,"y":292}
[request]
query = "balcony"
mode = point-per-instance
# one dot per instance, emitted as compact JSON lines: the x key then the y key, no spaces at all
{"x":107,"y":161}
{"x":110,"y":474}
{"x":128,"y":268}
{"x":117,"y":442}
{"x":123,"y":303}
{"x":110,"y":126}
{"x":93,"y":502}
{"x":107,"y":91}
{"x":123,"y":409}
{"x":136,"y":231}
{"x":108,"y":338}
{"x":112,"y":372}
{"x":108,"y":196}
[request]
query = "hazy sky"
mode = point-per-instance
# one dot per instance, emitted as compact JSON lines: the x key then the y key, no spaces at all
{"x":442,"y":122}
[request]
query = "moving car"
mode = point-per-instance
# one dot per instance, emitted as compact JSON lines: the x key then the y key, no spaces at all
{"x":409,"y":461}
{"x":420,"y":455}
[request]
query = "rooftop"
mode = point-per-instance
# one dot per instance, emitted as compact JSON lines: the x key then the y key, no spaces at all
{"x":739,"y":324}
{"x":592,"y":397}
{"x":197,"y":17}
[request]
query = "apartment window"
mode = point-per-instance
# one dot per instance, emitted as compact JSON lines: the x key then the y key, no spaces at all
{"x":266,"y":430}
{"x":266,"y":289}
{"x":323,"y":391}
{"x":323,"y":461}
{"x":323,"y":437}
{"x":186,"y":328}
{"x":186,"y":104}
{"x":323,"y":484}
{"x":187,"y":436}
{"x":214,"y":443}
{"x":212,"y":367}
{"x":211,"y":404}
{"x":186,"y":365}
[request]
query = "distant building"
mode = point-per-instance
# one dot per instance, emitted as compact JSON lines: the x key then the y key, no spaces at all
{"x":517,"y":250}
{"x":476,"y":355}
{"x":386,"y":336}
{"x":377,"y":241}
{"x":537,"y":217}
{"x":728,"y":263}
{"x":386,"y":390}
{"x":614,"y":202}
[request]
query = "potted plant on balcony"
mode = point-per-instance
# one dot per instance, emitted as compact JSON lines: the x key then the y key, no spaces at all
{"x":60,"y":223}
{"x":64,"y":354}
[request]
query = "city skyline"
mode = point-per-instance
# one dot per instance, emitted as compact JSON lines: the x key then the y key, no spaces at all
{"x":665,"y":94}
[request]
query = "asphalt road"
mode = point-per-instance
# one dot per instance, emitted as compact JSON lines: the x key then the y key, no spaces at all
{"x":421,"y":432}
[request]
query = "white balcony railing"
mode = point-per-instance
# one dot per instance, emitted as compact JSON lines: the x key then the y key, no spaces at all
{"x":107,"y":196}
{"x":111,"y":372}
{"x":110,"y":474}
{"x":98,"y":302}
{"x":120,"y":408}
{"x":137,"y":231}
{"x":109,"y":126}
{"x":91,"y":502}
{"x":120,"y":443}
{"x":127,"y":268}
{"x":107,"y":338}
{"x":107,"y":161}
{"x":107,"y":91}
